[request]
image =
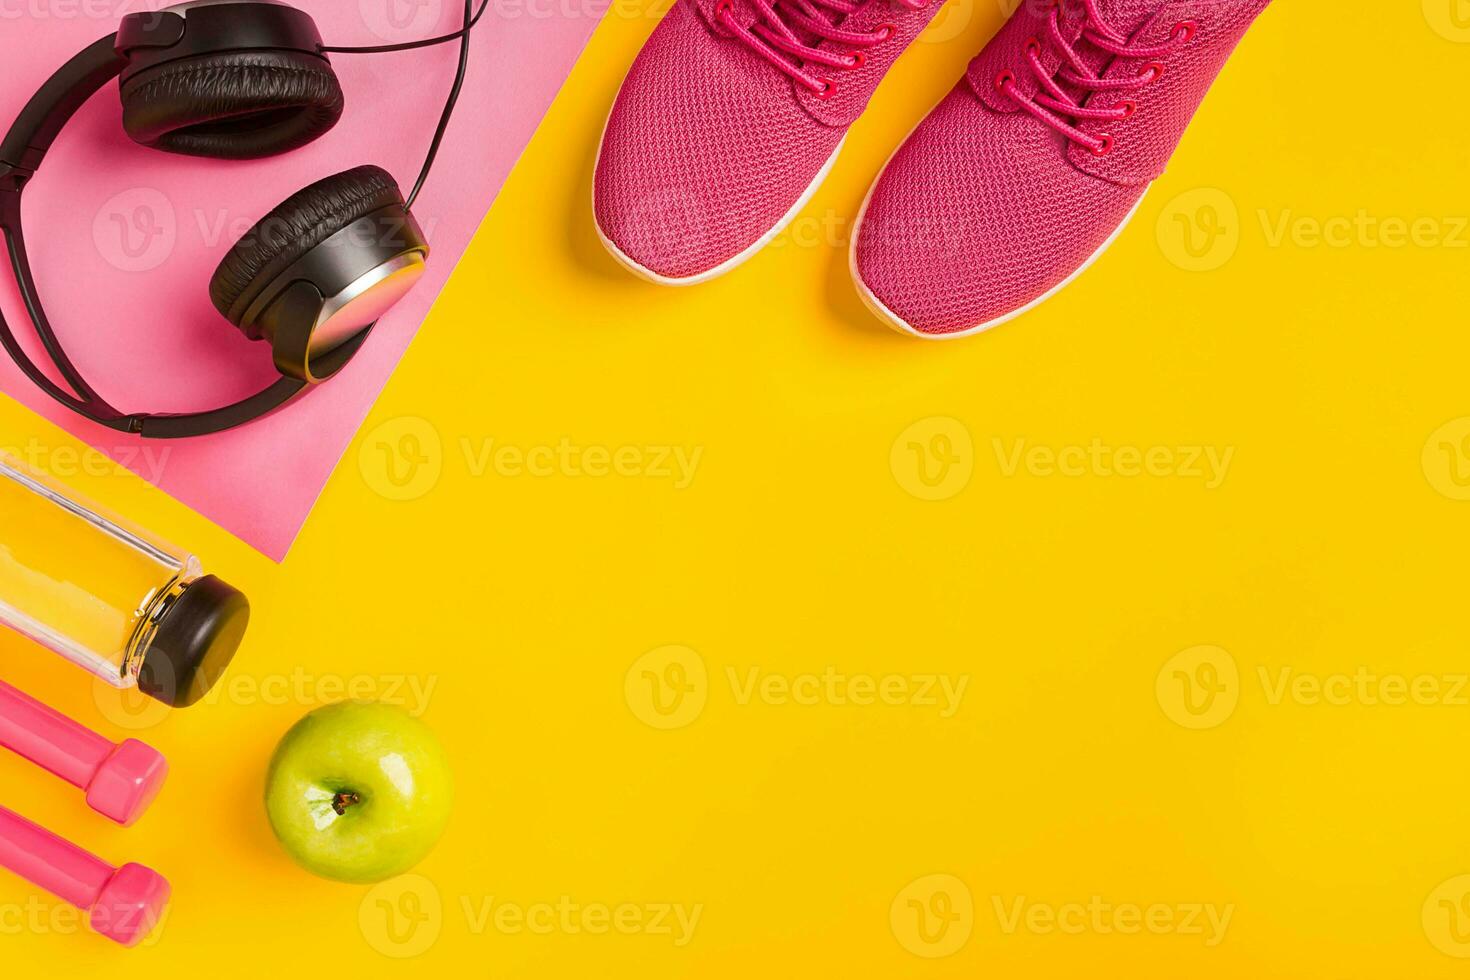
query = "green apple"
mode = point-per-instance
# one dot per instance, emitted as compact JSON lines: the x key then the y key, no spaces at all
{"x":359,"y":791}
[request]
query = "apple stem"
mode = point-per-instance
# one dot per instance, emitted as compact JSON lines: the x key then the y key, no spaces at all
{"x":342,"y":801}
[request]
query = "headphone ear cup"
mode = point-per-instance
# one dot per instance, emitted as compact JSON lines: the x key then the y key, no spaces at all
{"x":293,"y":228}
{"x":235,"y":105}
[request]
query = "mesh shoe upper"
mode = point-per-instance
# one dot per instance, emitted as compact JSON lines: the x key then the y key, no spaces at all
{"x":708,"y":146}
{"x":973,"y":218}
{"x":986,"y":208}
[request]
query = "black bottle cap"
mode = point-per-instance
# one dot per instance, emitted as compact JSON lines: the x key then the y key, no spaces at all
{"x":194,"y":642}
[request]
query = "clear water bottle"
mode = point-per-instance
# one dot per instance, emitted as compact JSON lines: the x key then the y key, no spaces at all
{"x":108,"y":597}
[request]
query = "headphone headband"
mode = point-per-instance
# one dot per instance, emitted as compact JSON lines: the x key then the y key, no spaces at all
{"x":21,"y":153}
{"x":146,"y":40}
{"x":52,"y":107}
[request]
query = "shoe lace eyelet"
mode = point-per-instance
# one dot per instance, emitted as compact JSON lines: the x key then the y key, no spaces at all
{"x":1153,"y":71}
{"x":858,"y":59}
{"x":885,"y":31}
{"x":1188,"y":27}
{"x":827,"y":90}
{"x":1105,"y":148}
{"x":1004,"y":79}
{"x":1033,"y":46}
{"x":1128,"y":107}
{"x":724,"y":7}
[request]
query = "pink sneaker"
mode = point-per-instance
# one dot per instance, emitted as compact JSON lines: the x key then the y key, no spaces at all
{"x":1025,"y":173}
{"x":729,"y":119}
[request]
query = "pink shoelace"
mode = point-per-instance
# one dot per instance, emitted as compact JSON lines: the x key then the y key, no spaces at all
{"x":789,"y":34}
{"x":1054,"y":106}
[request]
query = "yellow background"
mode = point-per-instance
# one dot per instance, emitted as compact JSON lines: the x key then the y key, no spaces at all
{"x":1073,"y":604}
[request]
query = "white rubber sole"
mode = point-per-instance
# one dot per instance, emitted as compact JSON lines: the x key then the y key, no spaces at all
{"x":643,"y":272}
{"x":898,"y":323}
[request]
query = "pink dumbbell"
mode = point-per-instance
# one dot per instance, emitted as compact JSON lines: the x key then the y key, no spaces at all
{"x":124,"y":904}
{"x":120,"y":779}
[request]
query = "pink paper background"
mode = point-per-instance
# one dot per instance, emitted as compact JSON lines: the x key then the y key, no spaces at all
{"x":123,"y":239}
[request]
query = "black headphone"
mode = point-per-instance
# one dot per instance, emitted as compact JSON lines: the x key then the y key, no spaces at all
{"x":238,"y":79}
